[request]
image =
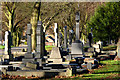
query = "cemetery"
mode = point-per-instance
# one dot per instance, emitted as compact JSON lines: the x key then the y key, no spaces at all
{"x":66,"y":57}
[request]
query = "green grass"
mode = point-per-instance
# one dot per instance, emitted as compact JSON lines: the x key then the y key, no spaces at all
{"x":48,"y":48}
{"x":109,"y":47}
{"x":109,"y":71}
{"x":2,"y":47}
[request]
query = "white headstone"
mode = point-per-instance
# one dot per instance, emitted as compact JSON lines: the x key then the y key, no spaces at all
{"x":101,"y":44}
{"x":6,"y":42}
{"x":55,"y":30}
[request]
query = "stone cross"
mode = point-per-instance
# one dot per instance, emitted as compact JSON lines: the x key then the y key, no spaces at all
{"x":77,"y":18}
{"x":65,"y":37}
{"x":56,"y":31}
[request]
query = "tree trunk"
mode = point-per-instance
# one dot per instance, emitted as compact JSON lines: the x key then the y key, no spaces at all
{"x":34,"y":21}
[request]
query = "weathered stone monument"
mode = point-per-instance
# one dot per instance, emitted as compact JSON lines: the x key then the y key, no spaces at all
{"x":60,"y":40}
{"x":55,"y":56}
{"x":70,"y":36}
{"x":65,"y":38}
{"x":29,"y":57}
{"x":7,"y":55}
{"x":77,"y":46}
{"x":39,"y":48}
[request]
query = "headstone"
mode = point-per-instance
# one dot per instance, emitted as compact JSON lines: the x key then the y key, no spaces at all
{"x":118,"y":48}
{"x":97,"y":47}
{"x":39,"y":48}
{"x":29,"y":57}
{"x":31,"y":65}
{"x":68,"y":57}
{"x":90,"y":38}
{"x":56,"y":37}
{"x":77,"y":46}
{"x":65,"y":37}
{"x":7,"y":54}
{"x":55,"y":56}
{"x":70,"y":36}
{"x":60,"y":39}
{"x":89,"y":65}
{"x":43,"y":49}
{"x":101,"y":44}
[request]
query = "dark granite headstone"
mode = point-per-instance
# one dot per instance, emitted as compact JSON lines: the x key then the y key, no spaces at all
{"x":90,"y":39}
{"x":65,"y":37}
{"x":70,"y":36}
{"x":60,"y":40}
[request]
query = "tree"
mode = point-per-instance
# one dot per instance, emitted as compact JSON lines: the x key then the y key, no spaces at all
{"x":34,"y":20}
{"x":106,"y":22}
{"x":14,"y":16}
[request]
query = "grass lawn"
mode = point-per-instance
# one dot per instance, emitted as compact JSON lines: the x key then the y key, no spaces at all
{"x":48,"y":48}
{"x":2,"y":47}
{"x":109,"y":48}
{"x":109,"y":71}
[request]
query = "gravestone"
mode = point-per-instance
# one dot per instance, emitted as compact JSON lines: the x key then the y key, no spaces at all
{"x":40,"y":43}
{"x":7,"y":54}
{"x":89,"y":65}
{"x":118,"y":49}
{"x":56,"y":37}
{"x":55,"y":56}
{"x":60,"y":40}
{"x":29,"y":57}
{"x":70,"y":36}
{"x":97,"y":47}
{"x":65,"y":38}
{"x":77,"y":46}
{"x":90,"y":36}
{"x":43,"y":52}
{"x":101,"y":44}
